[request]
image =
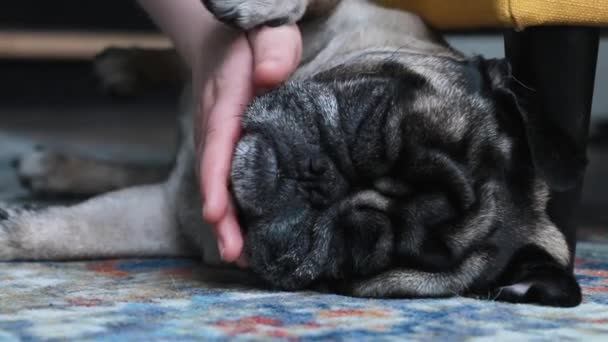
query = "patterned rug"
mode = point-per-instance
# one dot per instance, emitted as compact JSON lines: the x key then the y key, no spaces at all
{"x":168,"y":299}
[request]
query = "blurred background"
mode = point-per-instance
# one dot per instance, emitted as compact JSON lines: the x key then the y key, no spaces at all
{"x":49,"y":94}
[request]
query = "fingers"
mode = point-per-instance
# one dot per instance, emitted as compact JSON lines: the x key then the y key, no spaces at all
{"x":225,"y":98}
{"x":229,"y":236}
{"x":277,"y":52}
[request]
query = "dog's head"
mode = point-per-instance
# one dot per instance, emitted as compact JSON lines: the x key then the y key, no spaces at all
{"x":397,"y":162}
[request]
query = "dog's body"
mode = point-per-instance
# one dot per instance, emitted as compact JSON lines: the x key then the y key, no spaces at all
{"x":390,"y":165}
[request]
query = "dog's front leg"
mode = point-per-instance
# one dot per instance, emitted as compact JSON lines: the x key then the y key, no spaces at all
{"x":134,"y":222}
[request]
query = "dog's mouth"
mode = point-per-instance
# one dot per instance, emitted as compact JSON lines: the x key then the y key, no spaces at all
{"x":288,"y":204}
{"x":353,"y":237}
{"x":306,"y":222}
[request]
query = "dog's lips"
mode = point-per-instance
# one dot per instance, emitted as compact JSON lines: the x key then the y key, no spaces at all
{"x":307,"y":260}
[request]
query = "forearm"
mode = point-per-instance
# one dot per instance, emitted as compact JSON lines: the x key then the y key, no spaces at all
{"x":190,"y":26}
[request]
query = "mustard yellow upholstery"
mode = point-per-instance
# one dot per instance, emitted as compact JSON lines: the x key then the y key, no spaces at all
{"x":465,"y":14}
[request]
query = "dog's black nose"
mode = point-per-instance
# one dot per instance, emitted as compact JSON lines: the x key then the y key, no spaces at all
{"x":318,"y":180}
{"x":318,"y":165}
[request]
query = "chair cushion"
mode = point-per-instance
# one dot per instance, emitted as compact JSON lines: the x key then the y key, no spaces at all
{"x":473,"y":14}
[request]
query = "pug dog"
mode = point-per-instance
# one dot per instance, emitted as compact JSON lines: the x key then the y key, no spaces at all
{"x":389,"y":165}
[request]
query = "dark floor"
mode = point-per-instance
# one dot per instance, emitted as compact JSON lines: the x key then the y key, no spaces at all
{"x":60,"y":105}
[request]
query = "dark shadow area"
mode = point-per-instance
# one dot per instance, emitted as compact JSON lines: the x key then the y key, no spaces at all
{"x":107,"y":15}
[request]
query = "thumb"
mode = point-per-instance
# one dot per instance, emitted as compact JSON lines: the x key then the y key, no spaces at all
{"x":276,"y":52}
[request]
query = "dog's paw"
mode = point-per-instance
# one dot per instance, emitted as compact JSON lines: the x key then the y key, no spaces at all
{"x":550,"y":287}
{"x":116,"y":71}
{"x":10,"y":241}
{"x":44,"y":172}
{"x":248,"y":14}
{"x":9,"y":244}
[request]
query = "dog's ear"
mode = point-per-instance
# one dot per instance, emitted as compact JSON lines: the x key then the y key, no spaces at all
{"x":556,"y":156}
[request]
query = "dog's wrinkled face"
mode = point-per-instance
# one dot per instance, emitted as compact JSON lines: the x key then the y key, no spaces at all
{"x":373,"y":166}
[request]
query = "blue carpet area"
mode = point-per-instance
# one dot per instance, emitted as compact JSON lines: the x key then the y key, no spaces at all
{"x":168,"y":299}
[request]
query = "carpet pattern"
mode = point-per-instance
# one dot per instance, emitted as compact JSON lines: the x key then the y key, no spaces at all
{"x":167,"y":299}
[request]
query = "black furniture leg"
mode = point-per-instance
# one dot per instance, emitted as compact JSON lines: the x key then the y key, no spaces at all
{"x":559,"y":63}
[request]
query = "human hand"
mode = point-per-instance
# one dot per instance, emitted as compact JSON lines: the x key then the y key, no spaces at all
{"x":260,"y":60}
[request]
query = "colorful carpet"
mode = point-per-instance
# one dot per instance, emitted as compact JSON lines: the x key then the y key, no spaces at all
{"x":167,"y":299}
